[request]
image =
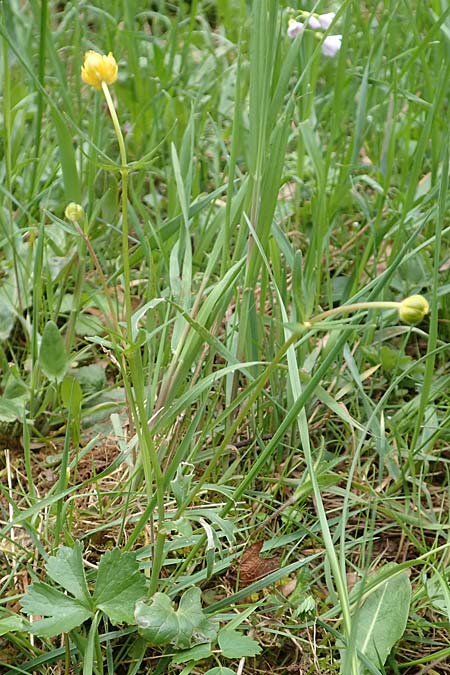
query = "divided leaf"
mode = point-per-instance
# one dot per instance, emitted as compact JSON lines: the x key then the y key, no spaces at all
{"x":14,"y":622}
{"x":234,"y":645}
{"x":196,"y":653}
{"x":66,"y":569}
{"x":161,"y":624}
{"x":64,"y":613}
{"x":119,"y":586}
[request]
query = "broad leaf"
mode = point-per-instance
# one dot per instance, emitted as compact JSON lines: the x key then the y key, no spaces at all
{"x":157,"y":620}
{"x":234,"y":645}
{"x":12,"y":623}
{"x":11,"y":409}
{"x":66,"y":569}
{"x":71,"y":395}
{"x":92,"y":378}
{"x":64,"y":613}
{"x":220,"y":670}
{"x":7,"y":315}
{"x":52,"y":354}
{"x":192,"y":619}
{"x":119,"y":586}
{"x":161,"y":624}
{"x":381,"y":620}
{"x":196,"y":653}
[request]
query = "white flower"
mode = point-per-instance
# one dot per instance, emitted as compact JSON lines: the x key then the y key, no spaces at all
{"x":314,"y":23}
{"x":331,"y":45}
{"x":295,"y":28}
{"x":325,"y":20}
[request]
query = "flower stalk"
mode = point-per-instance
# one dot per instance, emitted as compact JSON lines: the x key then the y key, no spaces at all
{"x":100,"y":71}
{"x":411,"y":310}
{"x":124,"y":172}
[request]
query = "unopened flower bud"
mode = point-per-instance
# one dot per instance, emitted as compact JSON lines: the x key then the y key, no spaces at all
{"x":98,"y":68}
{"x":325,"y":20}
{"x":413,"y":309}
{"x":331,"y":45}
{"x":295,"y":28}
{"x":75,"y":213}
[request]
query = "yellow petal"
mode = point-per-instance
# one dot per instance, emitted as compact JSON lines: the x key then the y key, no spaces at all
{"x":98,"y":68}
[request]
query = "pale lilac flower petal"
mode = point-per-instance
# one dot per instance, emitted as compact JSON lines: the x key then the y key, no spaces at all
{"x":331,"y":45}
{"x":325,"y":20}
{"x":314,"y":23}
{"x":295,"y":28}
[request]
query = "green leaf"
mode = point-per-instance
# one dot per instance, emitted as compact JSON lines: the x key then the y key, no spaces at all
{"x":381,"y":619}
{"x":52,"y":355}
{"x":71,"y":395}
{"x":71,"y":180}
{"x":11,"y":409}
{"x":391,"y":359}
{"x":119,"y":586}
{"x":234,"y":645}
{"x":196,"y":653}
{"x":64,"y":613}
{"x":192,"y":619}
{"x":7,"y":316}
{"x":66,"y":569}
{"x":157,"y":621}
{"x":92,"y":378}
{"x":439,"y":593}
{"x":12,"y":623}
{"x":161,"y":624}
{"x":220,"y":670}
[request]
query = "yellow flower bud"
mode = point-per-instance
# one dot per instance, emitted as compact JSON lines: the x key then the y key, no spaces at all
{"x":413,"y":309}
{"x":99,"y":68}
{"x":75,"y":212}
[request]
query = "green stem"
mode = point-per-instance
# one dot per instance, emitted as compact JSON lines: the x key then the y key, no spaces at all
{"x":76,"y":301}
{"x":39,"y":94}
{"x":124,"y":173}
{"x":66,"y":654}
{"x":111,"y":321}
{"x":149,"y":457}
{"x":351,"y":308}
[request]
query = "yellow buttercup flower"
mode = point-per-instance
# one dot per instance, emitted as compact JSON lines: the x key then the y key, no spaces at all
{"x":98,"y":68}
{"x":413,"y":309}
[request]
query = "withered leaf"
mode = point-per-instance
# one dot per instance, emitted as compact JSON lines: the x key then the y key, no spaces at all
{"x":252,"y":567}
